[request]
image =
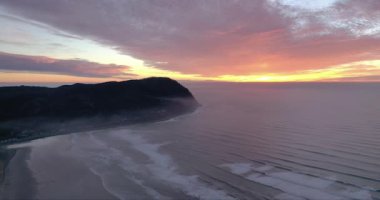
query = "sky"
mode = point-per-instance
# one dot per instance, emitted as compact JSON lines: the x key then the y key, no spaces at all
{"x":69,"y":41}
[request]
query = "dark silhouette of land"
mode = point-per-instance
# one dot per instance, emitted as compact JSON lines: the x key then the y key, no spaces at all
{"x":31,"y":112}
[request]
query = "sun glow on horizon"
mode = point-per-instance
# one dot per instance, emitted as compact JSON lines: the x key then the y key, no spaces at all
{"x":333,"y":73}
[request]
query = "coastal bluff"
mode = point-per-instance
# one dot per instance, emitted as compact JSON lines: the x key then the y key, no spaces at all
{"x":31,"y":112}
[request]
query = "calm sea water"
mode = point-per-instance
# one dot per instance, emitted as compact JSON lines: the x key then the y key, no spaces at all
{"x":247,"y":141}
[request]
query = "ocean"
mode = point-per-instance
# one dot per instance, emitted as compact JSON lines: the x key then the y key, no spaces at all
{"x":247,"y":141}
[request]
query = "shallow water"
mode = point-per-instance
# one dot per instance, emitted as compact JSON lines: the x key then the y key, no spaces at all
{"x":247,"y":141}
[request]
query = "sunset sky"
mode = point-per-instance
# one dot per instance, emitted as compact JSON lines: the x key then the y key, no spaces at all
{"x":220,"y":40}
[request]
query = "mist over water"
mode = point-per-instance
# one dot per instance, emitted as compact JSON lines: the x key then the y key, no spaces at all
{"x":247,"y":141}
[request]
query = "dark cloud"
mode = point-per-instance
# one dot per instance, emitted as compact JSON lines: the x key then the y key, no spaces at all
{"x":83,"y":68}
{"x":217,"y":37}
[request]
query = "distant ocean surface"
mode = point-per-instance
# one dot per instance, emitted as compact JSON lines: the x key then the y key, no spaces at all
{"x":247,"y":141}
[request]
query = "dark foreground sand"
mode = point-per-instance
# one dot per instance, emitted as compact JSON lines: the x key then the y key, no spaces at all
{"x":19,"y":182}
{"x":17,"y":175}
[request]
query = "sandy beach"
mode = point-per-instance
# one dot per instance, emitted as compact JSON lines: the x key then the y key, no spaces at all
{"x":21,"y":170}
{"x":17,"y":175}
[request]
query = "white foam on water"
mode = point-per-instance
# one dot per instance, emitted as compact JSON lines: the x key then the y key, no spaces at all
{"x":297,"y":184}
{"x":153,"y":193}
{"x":304,"y":179}
{"x":294,"y":189}
{"x":107,"y":186}
{"x":163,"y":168}
{"x":239,"y":168}
{"x":34,"y":143}
{"x":102,"y":156}
{"x":285,"y":196}
{"x":122,"y":193}
{"x":264,"y":168}
{"x":180,"y":117}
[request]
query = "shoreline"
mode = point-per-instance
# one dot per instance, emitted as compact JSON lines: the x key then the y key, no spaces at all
{"x":36,"y":112}
{"x":89,"y":124}
{"x":19,"y":173}
{"x":24,"y":173}
{"x":20,"y":176}
{"x":15,"y":167}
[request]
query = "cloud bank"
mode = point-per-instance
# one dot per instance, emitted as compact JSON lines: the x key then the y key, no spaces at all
{"x":218,"y":37}
{"x":83,"y":68}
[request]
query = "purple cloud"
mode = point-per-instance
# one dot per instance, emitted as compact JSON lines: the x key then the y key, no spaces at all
{"x":83,"y":68}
